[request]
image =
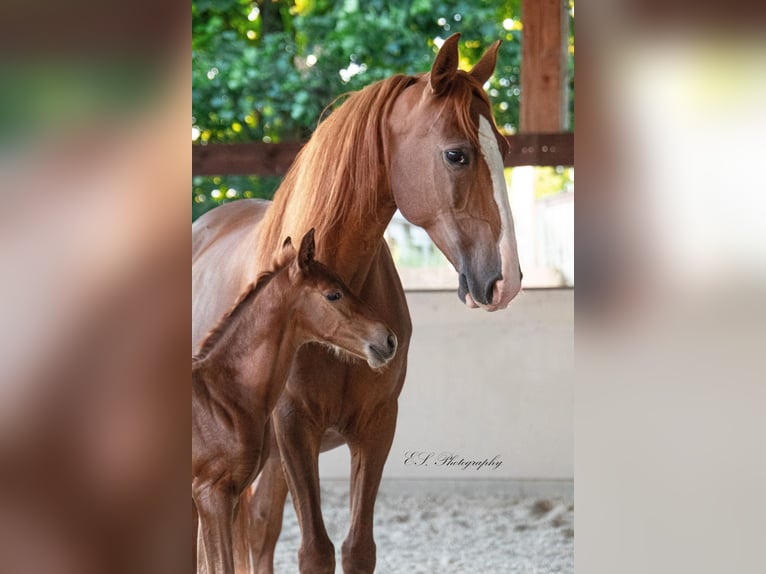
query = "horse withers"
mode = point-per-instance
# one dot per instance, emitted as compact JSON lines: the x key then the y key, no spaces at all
{"x":242,"y":368}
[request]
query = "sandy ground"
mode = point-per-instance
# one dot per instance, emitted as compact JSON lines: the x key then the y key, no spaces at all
{"x":447,"y":530}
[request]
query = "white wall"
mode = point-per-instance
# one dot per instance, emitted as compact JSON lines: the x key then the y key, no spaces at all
{"x":482,"y":385}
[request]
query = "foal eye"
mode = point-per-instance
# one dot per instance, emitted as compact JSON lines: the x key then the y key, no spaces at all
{"x":456,"y":157}
{"x":333,"y":296}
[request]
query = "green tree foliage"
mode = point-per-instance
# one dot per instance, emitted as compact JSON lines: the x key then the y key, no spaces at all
{"x":265,"y":70}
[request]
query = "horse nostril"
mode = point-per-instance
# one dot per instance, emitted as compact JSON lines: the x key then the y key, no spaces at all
{"x":489,"y":294}
{"x":521,"y":275}
{"x":391,"y":343}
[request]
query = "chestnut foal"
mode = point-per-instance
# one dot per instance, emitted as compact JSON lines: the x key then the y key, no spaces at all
{"x":241,"y":370}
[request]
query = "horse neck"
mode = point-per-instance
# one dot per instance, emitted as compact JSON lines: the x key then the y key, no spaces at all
{"x":257,"y":347}
{"x":339,"y":184}
{"x":348,"y":246}
{"x":351,"y":249}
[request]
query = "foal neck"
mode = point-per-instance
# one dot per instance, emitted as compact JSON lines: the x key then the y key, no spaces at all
{"x":256,"y":340}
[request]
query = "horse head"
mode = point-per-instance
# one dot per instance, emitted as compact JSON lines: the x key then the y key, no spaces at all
{"x":446,"y":174}
{"x":328,"y":312}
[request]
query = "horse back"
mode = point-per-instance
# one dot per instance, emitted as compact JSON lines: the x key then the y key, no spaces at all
{"x":224,"y":243}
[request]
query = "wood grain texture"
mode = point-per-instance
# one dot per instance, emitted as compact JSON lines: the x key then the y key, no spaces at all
{"x":543,"y":66}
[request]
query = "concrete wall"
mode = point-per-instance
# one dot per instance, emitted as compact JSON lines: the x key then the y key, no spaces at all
{"x":483,"y":386}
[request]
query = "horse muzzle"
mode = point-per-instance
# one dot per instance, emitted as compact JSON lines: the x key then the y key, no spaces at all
{"x":491,"y":293}
{"x":477,"y":290}
{"x":380,"y":352}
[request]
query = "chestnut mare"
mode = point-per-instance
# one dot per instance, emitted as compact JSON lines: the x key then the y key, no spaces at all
{"x":242,"y":368}
{"x":424,"y":144}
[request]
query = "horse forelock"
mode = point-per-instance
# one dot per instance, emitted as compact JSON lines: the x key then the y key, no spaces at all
{"x":458,"y":103}
{"x":340,"y":174}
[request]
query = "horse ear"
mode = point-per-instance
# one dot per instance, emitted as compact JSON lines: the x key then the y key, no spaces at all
{"x":285,"y":255}
{"x":445,"y":65}
{"x":485,"y":67}
{"x":306,"y":253}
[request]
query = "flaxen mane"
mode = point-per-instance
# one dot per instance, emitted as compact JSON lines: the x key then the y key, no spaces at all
{"x":336,"y":176}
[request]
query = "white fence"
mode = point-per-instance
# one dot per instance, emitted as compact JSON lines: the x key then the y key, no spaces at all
{"x":555,"y":234}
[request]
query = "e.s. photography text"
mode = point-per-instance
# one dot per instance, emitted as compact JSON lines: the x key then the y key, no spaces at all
{"x":450,"y":460}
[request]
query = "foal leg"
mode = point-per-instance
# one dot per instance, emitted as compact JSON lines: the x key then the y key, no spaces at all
{"x":216,"y":512}
{"x":299,"y":443}
{"x":195,"y":533}
{"x":369,"y":451}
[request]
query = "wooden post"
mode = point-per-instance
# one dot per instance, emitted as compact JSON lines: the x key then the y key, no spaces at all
{"x":544,"y":46}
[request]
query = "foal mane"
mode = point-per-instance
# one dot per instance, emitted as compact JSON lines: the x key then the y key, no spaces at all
{"x":215,"y":334}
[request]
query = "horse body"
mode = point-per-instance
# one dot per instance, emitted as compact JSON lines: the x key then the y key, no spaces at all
{"x":427,"y":145}
{"x":241,"y":371}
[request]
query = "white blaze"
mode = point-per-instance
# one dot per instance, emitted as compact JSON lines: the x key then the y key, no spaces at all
{"x":510,"y":285}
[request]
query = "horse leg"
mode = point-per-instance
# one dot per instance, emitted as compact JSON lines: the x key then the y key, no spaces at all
{"x":268,"y":507}
{"x":369,"y":452}
{"x":216,"y":512}
{"x":259,"y":521}
{"x":299,"y":443}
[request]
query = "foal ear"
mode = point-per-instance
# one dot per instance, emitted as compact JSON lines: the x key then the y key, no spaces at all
{"x":285,"y":254}
{"x":306,"y":253}
{"x":445,"y":65}
{"x":485,"y":67}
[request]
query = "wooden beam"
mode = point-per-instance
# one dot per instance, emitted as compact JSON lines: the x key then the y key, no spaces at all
{"x":544,"y":45}
{"x":548,"y":149}
{"x":244,"y":159}
{"x":274,"y":159}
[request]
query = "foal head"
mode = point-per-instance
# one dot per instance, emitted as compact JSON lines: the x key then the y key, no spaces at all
{"x":324,"y":310}
{"x":446,"y":160}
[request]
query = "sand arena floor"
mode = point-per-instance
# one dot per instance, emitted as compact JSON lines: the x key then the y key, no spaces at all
{"x":446,"y":530}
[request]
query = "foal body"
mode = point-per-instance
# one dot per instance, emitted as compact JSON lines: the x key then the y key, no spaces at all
{"x":241,"y":370}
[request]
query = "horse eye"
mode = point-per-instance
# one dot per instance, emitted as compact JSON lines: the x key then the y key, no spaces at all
{"x":456,"y":156}
{"x":334,"y":296}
